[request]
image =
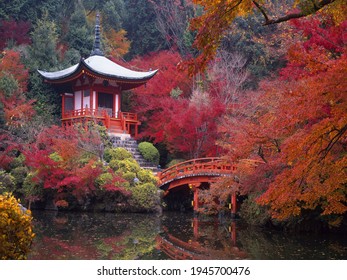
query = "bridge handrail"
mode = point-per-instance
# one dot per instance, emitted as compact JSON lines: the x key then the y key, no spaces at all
{"x":200,"y":164}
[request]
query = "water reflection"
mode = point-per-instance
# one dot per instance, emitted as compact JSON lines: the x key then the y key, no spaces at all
{"x":199,"y":239}
{"x":171,"y":236}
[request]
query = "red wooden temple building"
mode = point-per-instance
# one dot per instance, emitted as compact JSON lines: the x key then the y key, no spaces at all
{"x":93,"y":90}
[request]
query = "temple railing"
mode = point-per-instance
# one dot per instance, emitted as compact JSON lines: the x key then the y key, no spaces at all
{"x":100,"y":113}
{"x":127,"y":122}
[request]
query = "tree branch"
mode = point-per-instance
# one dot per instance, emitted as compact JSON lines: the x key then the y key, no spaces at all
{"x":316,"y":6}
{"x":332,"y":142}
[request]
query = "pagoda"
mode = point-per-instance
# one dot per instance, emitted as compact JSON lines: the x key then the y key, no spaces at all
{"x":92,"y":90}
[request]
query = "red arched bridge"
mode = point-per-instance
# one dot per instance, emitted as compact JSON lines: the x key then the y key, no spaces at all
{"x":194,"y":173}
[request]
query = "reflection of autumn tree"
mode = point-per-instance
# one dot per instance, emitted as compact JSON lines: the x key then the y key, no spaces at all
{"x":270,"y":244}
{"x":101,"y":236}
{"x":140,"y":242}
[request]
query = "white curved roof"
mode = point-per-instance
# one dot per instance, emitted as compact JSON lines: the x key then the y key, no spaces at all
{"x":59,"y":74}
{"x":102,"y":66}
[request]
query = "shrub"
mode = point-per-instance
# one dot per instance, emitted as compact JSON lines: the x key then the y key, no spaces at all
{"x":149,"y":152}
{"x":103,"y":179}
{"x":126,"y":165}
{"x":144,"y":197}
{"x":19,"y":174}
{"x":129,"y":176}
{"x":146,"y":176}
{"x":7,"y":182}
{"x":16,"y":229}
{"x":116,"y":154}
{"x":254,"y":213}
{"x":18,"y":161}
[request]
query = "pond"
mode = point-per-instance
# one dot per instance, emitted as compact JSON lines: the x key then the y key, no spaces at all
{"x":173,"y":235}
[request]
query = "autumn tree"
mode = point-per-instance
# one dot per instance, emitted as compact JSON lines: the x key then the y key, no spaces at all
{"x":14,"y":33}
{"x":67,"y":169}
{"x":17,"y":110}
{"x":229,"y":74}
{"x":296,"y":126}
{"x":173,"y":23}
{"x":213,"y":24}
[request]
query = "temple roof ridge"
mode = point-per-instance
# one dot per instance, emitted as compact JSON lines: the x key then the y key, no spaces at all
{"x":97,"y":41}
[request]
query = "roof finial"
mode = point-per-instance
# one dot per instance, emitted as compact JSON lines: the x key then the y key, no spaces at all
{"x":96,"y":49}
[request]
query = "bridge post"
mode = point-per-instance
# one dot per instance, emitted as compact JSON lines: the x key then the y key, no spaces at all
{"x":195,"y":188}
{"x":196,"y":198}
{"x":232,"y":230}
{"x":233,"y":205}
{"x":195,"y":227}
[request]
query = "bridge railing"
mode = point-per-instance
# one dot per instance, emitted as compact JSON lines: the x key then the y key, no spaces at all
{"x":211,"y":165}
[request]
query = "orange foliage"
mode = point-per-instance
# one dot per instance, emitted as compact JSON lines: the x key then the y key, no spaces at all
{"x":218,"y":16}
{"x":117,"y":42}
{"x":17,"y":110}
{"x":297,"y":125}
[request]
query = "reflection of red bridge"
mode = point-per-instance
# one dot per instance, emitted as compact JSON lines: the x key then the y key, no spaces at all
{"x":194,"y":173}
{"x":178,"y":249}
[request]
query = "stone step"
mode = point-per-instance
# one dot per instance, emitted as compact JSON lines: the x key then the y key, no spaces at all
{"x":131,"y":145}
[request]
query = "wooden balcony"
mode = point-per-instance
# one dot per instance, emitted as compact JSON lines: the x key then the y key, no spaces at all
{"x":119,"y":122}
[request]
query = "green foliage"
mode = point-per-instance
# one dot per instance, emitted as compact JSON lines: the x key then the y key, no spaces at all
{"x":129,"y":176}
{"x":141,"y":27}
{"x":248,"y":38}
{"x":8,"y":182}
{"x":10,"y":8}
{"x":18,"y":161}
{"x":116,"y":154}
{"x":254,"y":213}
{"x":144,"y":197}
{"x":174,"y":162}
{"x":8,"y":84}
{"x":149,"y":152}
{"x":19,"y":174}
{"x":146,"y":176}
{"x":104,"y":178}
{"x":125,"y":165}
{"x":43,"y":55}
{"x":113,"y":13}
{"x":55,"y":157}
{"x":43,"y":51}
{"x":31,"y":189}
{"x":104,"y":136}
{"x":16,"y":229}
{"x":176,"y":93}
{"x":80,"y":34}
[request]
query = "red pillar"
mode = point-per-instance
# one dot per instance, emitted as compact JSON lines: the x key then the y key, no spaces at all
{"x":196,"y":227}
{"x":233,"y":204}
{"x":136,"y":130}
{"x":62,"y":105}
{"x":232,"y":230}
{"x":196,"y":199}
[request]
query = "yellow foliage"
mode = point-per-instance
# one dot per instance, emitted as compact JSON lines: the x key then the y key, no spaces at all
{"x":117,"y":42}
{"x":16,"y":233}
